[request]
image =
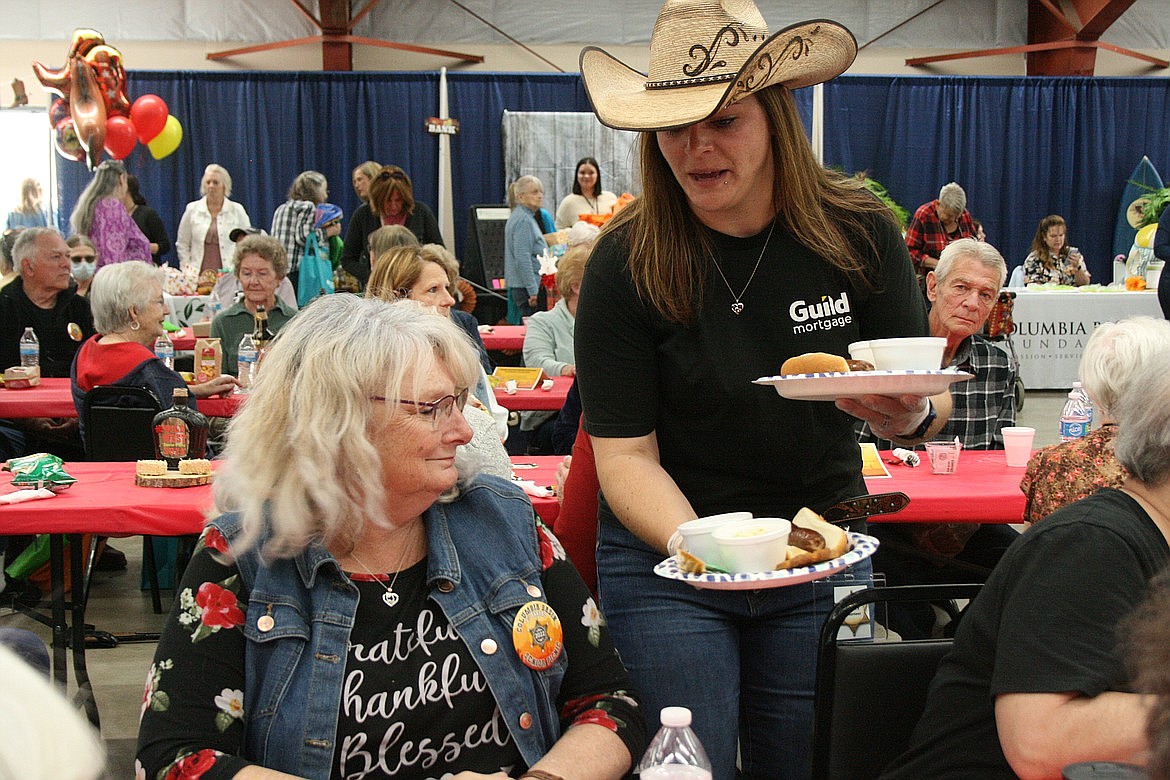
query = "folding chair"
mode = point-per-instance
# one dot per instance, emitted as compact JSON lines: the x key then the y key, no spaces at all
{"x":870,"y":693}
{"x":118,"y":424}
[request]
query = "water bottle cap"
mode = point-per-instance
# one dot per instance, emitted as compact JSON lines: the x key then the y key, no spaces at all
{"x":675,"y":717}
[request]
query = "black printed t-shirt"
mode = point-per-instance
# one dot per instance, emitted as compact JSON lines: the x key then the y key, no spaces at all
{"x":727,"y":443}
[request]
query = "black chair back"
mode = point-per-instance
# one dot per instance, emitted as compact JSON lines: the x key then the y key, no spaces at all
{"x":870,"y":694}
{"x":117,"y":423}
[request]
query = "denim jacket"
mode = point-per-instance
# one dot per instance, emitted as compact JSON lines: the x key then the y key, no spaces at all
{"x":483,"y":565}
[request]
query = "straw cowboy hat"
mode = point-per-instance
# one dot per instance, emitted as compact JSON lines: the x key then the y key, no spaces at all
{"x":706,"y":55}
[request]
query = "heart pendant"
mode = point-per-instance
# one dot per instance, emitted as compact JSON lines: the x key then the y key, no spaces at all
{"x":736,"y":307}
{"x":390,"y":598}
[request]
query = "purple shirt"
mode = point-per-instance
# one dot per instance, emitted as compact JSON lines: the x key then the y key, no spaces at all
{"x":115,"y":235}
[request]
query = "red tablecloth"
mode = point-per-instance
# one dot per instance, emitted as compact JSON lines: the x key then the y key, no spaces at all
{"x":543,"y":473}
{"x":54,"y":398}
{"x":984,"y":489}
{"x":184,"y":340}
{"x":504,"y":337}
{"x":105,"y":500}
{"x":536,"y":400}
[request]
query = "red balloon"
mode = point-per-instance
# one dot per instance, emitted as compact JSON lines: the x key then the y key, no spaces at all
{"x":120,"y":137}
{"x":149,"y":115}
{"x":58,"y":110}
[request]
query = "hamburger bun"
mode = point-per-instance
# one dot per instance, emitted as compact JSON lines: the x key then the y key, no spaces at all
{"x":813,"y":541}
{"x":814,"y":363}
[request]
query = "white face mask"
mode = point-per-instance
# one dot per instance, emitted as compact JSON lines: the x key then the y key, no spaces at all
{"x":83,"y":269}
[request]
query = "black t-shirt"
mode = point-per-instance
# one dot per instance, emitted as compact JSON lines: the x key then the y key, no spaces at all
{"x":419,"y":667}
{"x":727,"y":443}
{"x":1045,"y":622}
{"x":58,"y":347}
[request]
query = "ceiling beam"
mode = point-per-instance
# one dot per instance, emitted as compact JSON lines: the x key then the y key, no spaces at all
{"x":1063,"y":38}
{"x":336,"y":25}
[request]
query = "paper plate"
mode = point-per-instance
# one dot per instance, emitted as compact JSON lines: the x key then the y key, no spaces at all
{"x":853,"y":384}
{"x":860,"y":548}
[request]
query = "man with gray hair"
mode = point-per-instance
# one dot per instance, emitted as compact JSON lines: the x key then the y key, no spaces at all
{"x":42,"y":298}
{"x":962,"y":290}
{"x":936,"y":224}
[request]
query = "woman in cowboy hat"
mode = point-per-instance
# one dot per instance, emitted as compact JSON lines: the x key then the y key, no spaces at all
{"x":741,"y":252}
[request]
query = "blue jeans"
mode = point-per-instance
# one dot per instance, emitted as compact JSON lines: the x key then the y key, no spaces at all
{"x":744,"y":662}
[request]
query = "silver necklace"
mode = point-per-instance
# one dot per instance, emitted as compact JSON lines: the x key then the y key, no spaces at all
{"x":389,"y":598}
{"x":737,"y":307}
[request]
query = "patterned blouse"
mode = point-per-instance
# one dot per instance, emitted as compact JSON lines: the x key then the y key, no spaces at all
{"x":116,"y":236}
{"x":414,"y":703}
{"x":1038,"y":271}
{"x":1063,"y":473}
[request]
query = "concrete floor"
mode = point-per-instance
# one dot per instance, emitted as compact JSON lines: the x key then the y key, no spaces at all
{"x":117,"y":605}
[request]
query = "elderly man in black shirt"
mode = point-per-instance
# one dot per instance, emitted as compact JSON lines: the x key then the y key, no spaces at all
{"x":42,"y":298}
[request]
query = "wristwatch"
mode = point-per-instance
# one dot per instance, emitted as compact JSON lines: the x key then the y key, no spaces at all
{"x":924,"y":426}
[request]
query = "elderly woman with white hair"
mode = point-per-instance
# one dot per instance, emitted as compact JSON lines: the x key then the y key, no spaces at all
{"x":367,"y":605}
{"x":1063,"y":473}
{"x":204,"y":241}
{"x":1036,"y":679}
{"x":128,"y":313}
{"x":523,"y":243}
{"x":936,"y":224}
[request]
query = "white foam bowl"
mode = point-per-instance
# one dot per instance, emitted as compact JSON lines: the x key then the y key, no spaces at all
{"x":697,"y":535}
{"x":922,"y":353}
{"x":860,"y":350}
{"x":753,"y":545}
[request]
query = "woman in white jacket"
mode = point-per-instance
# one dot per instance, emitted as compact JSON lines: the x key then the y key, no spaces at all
{"x":204,"y":241}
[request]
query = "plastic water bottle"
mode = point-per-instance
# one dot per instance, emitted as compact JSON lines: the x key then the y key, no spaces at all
{"x":675,"y":752}
{"x":246,"y":357}
{"x":164,"y":350}
{"x":30,"y":349}
{"x":1086,"y":402}
{"x":1074,"y":419}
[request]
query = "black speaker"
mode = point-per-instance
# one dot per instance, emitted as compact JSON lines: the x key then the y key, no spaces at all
{"x":483,"y":259}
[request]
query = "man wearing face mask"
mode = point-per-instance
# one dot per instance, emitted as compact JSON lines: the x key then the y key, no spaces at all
{"x":82,"y":262}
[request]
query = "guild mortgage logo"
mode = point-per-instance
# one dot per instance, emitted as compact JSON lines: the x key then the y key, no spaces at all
{"x":825,"y":314}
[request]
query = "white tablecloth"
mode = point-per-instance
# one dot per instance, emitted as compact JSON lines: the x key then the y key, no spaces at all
{"x":183,"y":310}
{"x":1053,"y":326}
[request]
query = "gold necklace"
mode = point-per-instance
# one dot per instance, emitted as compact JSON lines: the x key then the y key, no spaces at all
{"x":737,"y":307}
{"x":389,"y":598}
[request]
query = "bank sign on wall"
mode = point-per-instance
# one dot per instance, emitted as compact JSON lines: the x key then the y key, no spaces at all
{"x":1052,"y":329}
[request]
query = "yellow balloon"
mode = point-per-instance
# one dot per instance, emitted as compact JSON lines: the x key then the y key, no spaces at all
{"x":1145,"y":236}
{"x":167,"y":140}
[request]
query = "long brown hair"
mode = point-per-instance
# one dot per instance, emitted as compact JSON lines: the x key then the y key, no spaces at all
{"x":1040,"y":240}
{"x":389,"y":180}
{"x":669,"y":249}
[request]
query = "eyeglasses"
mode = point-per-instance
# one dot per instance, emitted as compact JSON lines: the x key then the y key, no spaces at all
{"x":83,"y":258}
{"x":438,"y":410}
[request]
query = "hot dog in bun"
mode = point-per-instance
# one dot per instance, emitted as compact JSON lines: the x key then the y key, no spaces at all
{"x":812,"y":540}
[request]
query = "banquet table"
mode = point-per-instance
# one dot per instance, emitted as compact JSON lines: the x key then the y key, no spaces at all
{"x":1052,"y":327}
{"x":537,"y":400}
{"x":105,"y":501}
{"x":983,"y":489}
{"x":53,"y":397}
{"x":497,"y":337}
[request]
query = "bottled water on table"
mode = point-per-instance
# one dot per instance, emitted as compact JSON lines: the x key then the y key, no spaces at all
{"x":1074,"y":419}
{"x":246,"y":358}
{"x":675,"y":752}
{"x":30,"y":349}
{"x":1087,"y":402}
{"x":164,"y":350}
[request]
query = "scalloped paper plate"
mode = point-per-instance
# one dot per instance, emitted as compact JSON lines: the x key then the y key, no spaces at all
{"x":860,"y":548}
{"x":852,"y":384}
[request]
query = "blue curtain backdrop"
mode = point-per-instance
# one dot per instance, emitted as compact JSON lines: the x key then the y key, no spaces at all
{"x":1021,"y":147}
{"x":265,"y":128}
